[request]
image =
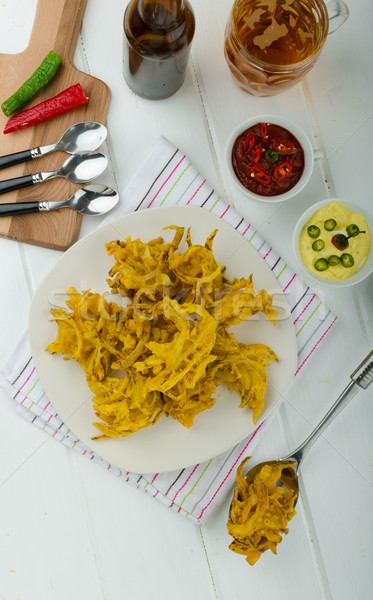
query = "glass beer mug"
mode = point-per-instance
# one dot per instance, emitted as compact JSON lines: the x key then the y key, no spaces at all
{"x":270,"y":45}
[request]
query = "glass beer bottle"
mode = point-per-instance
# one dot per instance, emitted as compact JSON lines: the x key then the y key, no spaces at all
{"x":157,"y":40}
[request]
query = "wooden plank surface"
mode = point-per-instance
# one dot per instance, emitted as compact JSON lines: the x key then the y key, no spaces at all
{"x":56,"y":26}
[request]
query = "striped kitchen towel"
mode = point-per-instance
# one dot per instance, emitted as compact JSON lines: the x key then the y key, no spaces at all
{"x":167,"y":178}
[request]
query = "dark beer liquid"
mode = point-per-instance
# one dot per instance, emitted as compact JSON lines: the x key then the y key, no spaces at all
{"x":156,"y":46}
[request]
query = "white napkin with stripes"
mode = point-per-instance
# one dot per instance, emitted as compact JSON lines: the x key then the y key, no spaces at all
{"x":167,"y":177}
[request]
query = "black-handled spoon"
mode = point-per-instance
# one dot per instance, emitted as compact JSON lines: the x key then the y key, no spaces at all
{"x":93,"y":200}
{"x":78,"y":168}
{"x":81,"y":137}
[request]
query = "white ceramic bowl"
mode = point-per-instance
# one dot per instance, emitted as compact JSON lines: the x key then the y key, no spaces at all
{"x":309,"y":155}
{"x":362,"y":273}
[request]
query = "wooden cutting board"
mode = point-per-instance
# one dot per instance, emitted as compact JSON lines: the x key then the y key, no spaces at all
{"x":56,"y":27}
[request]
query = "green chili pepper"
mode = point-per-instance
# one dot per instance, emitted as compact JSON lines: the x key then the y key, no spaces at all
{"x":347,"y":261}
{"x":334,"y":260}
{"x":271,"y":155}
{"x":330,"y":224}
{"x":352,"y":230}
{"x":313,"y":231}
{"x":33,"y":85}
{"x":321,"y":264}
{"x":318,"y":245}
{"x":340,"y":240}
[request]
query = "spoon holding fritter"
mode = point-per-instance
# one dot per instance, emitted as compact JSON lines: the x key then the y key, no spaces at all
{"x":361,"y":378}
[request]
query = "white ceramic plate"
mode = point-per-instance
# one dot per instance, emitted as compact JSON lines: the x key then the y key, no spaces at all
{"x":167,"y":445}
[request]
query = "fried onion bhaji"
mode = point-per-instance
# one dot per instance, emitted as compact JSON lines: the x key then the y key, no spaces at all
{"x":260,"y":511}
{"x":168,"y":349}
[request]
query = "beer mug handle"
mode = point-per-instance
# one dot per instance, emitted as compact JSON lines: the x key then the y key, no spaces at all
{"x":338,"y":13}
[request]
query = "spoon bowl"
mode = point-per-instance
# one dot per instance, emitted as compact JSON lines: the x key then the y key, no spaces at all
{"x":80,"y":168}
{"x":93,"y":200}
{"x":81,"y":137}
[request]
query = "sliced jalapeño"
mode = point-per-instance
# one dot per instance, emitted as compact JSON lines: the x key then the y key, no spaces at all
{"x":347,"y":261}
{"x":318,"y":245}
{"x":330,"y":224}
{"x":321,"y":264}
{"x":352,"y":230}
{"x":313,"y":231}
{"x":334,"y":260}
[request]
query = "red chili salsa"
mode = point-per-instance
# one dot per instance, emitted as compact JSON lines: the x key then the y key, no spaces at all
{"x":267,"y":159}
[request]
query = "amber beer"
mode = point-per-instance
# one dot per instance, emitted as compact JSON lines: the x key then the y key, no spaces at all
{"x":157,"y":40}
{"x":270,"y":45}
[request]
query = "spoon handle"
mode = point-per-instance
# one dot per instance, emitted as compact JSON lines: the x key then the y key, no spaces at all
{"x":24,"y":155}
{"x":9,"y":185}
{"x":361,"y":378}
{"x":17,"y":157}
{"x":363,"y":375}
{"x":18,"y":208}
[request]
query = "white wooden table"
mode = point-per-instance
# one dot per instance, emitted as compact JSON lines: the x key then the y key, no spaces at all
{"x":67,"y":528}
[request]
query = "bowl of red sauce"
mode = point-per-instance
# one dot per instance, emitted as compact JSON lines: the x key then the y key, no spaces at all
{"x":270,"y":158}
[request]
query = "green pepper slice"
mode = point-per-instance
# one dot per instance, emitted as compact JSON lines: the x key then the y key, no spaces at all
{"x":313,"y":231}
{"x":330,"y":224}
{"x":334,"y":260}
{"x":33,"y":85}
{"x":347,"y":261}
{"x":321,"y":264}
{"x":318,"y":245}
{"x":352,"y":230}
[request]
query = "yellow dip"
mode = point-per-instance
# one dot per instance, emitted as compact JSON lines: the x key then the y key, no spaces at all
{"x":358,"y":246}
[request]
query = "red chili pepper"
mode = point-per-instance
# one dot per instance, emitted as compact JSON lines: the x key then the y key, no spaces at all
{"x":249,"y":142}
{"x":283,"y":147}
{"x":282,"y":171}
{"x":259,"y":175}
{"x":257,"y":154}
{"x":67,"y":100}
{"x":264,"y":131}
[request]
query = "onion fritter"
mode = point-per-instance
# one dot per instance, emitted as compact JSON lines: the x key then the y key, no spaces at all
{"x":168,"y":349}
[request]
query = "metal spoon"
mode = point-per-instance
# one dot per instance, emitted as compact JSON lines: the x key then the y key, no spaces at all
{"x":81,"y":137}
{"x":361,"y":378}
{"x":78,"y":168}
{"x":93,"y":200}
